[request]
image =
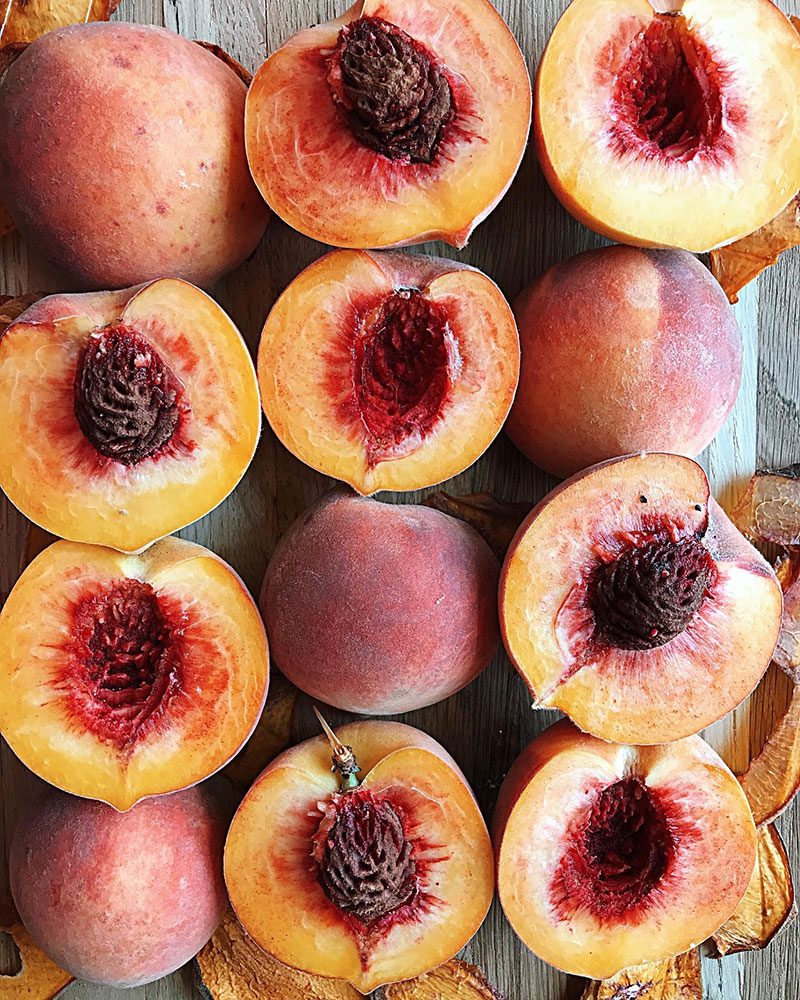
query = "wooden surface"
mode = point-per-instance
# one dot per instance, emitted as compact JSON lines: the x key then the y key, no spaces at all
{"x":487,"y":725}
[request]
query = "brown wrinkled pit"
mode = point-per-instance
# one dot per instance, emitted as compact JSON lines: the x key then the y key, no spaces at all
{"x":128,"y":401}
{"x":123,"y":661}
{"x":365,"y":864}
{"x":651,"y":592}
{"x":397,"y":97}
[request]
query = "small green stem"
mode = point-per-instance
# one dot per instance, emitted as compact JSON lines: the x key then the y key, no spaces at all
{"x":344,"y":760}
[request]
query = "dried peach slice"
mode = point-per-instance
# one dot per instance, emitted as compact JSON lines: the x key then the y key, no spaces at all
{"x":125,"y":676}
{"x":679,"y":978}
{"x":23,"y":21}
{"x":773,"y":777}
{"x":495,"y":520}
{"x":38,"y":978}
{"x":769,"y":510}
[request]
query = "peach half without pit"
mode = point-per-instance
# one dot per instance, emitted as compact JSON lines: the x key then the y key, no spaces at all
{"x":388,"y":371}
{"x":125,"y":676}
{"x":400,"y":121}
{"x":672,"y":123}
{"x":380,"y":608}
{"x":371,"y":881}
{"x":127,"y":415}
{"x":623,"y":350}
{"x":144,"y":131}
{"x":611,"y":856}
{"x":630,"y":602}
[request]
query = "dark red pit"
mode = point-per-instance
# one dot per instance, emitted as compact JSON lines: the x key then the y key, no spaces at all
{"x":123,"y":661}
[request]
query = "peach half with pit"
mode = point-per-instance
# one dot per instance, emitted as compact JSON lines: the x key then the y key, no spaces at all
{"x":373,"y":880}
{"x":127,"y":676}
{"x":630,"y":602}
{"x":123,"y":156}
{"x":388,"y":371}
{"x":610,"y":856}
{"x":380,"y":608}
{"x":398,"y":122}
{"x":127,"y":415}
{"x":671,"y":122}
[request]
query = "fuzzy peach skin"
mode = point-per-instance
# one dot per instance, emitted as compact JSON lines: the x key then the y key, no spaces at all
{"x":274,"y":887}
{"x":120,"y":899}
{"x":123,"y":156}
{"x":317,"y":176}
{"x":380,"y":608}
{"x":635,"y":695}
{"x":358,"y":391}
{"x":53,"y":473}
{"x":623,"y":350}
{"x":673,"y":123}
{"x":105,"y":707}
{"x":550,"y":895}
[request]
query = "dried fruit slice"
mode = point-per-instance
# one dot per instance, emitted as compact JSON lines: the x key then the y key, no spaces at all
{"x":398,"y":122}
{"x":38,"y":978}
{"x":452,"y":981}
{"x":629,"y":601}
{"x":24,"y":21}
{"x":495,"y":520}
{"x":679,"y":978}
{"x":388,"y":371}
{"x":610,"y":856}
{"x":128,"y":414}
{"x":671,"y":123}
{"x":368,"y":883}
{"x":769,"y":511}
{"x":128,"y":676}
{"x":773,"y":777}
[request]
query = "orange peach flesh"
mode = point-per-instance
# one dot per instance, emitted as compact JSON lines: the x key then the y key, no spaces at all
{"x":273,"y":884}
{"x":324,"y":182}
{"x":628,"y":695}
{"x":54,"y":475}
{"x":708,"y":864}
{"x":735,"y":182}
{"x":310,"y":380}
{"x":64,"y":722}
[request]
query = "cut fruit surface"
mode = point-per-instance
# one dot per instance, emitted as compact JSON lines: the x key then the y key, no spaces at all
{"x":124,"y":676}
{"x":373,"y":885}
{"x":398,"y":122}
{"x":629,"y":601}
{"x":612,"y":856}
{"x":128,"y":414}
{"x":388,"y":371}
{"x":676,"y":127}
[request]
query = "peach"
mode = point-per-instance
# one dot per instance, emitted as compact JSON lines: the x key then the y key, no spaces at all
{"x":148,"y":150}
{"x":611,"y":856}
{"x":623,"y":350}
{"x":128,"y":676}
{"x":387,"y":370}
{"x":369,"y":882}
{"x":398,"y":122}
{"x":671,"y":123}
{"x":380,"y":608}
{"x":127,"y":414}
{"x":629,"y":601}
{"x":120,"y":899}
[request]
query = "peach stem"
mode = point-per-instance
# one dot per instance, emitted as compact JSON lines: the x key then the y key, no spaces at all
{"x":344,"y":760}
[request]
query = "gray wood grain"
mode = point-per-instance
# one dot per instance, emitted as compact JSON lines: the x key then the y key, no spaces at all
{"x":486,"y":725}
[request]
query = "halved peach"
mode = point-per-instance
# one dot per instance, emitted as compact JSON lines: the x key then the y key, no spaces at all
{"x":125,"y":676}
{"x":611,"y":856}
{"x":386,"y":370}
{"x":400,"y":121}
{"x":629,"y":601}
{"x":127,"y":415}
{"x":671,"y":123}
{"x":370,"y":882}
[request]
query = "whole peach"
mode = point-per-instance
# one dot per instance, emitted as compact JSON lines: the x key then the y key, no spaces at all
{"x":623,"y":350}
{"x":116,"y":898}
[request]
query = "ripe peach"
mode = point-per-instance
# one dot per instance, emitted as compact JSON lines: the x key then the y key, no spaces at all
{"x":127,"y":414}
{"x":623,"y":350}
{"x":610,"y":856}
{"x":368,"y":882}
{"x":387,"y":370}
{"x":629,"y":601}
{"x":398,"y":122}
{"x":120,"y":899}
{"x":128,"y":676}
{"x":380,"y":608}
{"x":148,"y":150}
{"x":673,"y":123}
